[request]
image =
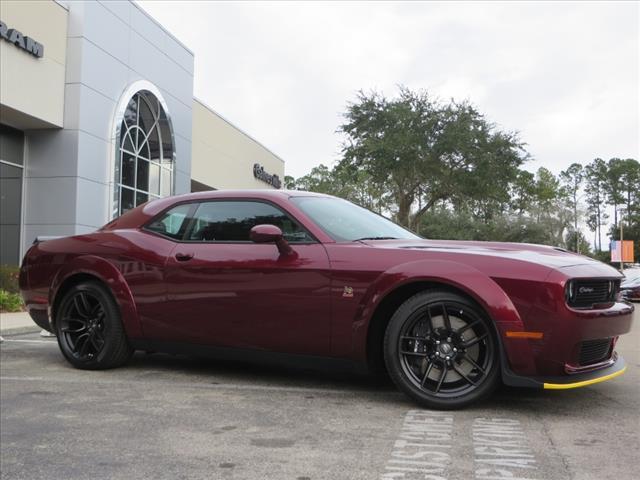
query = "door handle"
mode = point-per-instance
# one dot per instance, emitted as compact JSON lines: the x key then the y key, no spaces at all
{"x":183,"y":257}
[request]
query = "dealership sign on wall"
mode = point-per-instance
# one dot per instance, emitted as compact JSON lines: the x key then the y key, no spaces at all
{"x":260,"y":173}
{"x":21,"y":41}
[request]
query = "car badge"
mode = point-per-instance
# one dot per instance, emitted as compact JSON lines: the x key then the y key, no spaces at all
{"x":347,"y":292}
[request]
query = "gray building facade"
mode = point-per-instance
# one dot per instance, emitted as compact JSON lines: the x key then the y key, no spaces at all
{"x":100,"y":118}
{"x":114,"y":52}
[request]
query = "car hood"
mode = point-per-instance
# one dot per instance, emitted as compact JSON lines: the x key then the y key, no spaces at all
{"x":552,"y":257}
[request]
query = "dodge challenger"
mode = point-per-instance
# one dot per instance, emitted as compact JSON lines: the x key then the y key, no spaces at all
{"x":298,"y":275}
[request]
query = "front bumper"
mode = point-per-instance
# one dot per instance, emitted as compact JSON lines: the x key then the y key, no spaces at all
{"x":563,"y":332}
{"x":567,"y":381}
{"x":574,"y":347}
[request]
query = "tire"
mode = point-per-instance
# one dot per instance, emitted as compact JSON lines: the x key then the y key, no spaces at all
{"x":442,"y":361}
{"x":89,"y":328}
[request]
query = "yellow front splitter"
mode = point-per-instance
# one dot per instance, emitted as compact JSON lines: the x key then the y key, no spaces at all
{"x":584,"y":383}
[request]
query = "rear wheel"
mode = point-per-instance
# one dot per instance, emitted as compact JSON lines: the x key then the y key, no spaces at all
{"x":441,"y":350}
{"x":89,"y":329}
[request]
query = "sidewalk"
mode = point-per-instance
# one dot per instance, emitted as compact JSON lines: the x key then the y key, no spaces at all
{"x":14,"y":323}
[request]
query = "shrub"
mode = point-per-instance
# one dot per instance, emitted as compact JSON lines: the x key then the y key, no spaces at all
{"x":10,"y":302}
{"x":9,"y":278}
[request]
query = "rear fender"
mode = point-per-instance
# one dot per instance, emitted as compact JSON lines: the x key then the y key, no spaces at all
{"x":108,"y":274}
{"x":474,"y":283}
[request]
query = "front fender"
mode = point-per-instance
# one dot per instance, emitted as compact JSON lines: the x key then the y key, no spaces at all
{"x":477,"y":285}
{"x":111,"y":277}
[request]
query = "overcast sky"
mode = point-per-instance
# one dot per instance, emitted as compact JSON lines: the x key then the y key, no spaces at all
{"x":565,"y":75}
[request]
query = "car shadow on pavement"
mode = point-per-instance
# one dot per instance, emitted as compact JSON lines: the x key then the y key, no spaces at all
{"x":249,"y":372}
{"x":210,"y":371}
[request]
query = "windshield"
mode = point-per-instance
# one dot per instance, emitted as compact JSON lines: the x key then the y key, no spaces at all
{"x":344,"y":221}
{"x":631,"y":274}
{"x":631,"y":282}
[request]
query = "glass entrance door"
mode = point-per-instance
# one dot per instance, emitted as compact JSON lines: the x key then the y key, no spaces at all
{"x":11,"y":173}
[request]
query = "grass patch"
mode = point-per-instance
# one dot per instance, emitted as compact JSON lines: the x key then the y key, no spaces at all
{"x":10,"y":302}
{"x":9,"y":278}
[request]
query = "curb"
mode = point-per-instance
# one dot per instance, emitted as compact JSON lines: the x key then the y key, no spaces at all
{"x":20,"y":330}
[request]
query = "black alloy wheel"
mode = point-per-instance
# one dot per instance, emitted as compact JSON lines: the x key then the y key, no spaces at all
{"x":441,"y":350}
{"x":89,"y":330}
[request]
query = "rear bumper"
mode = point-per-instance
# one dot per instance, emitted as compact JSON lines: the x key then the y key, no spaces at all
{"x":565,"y":382}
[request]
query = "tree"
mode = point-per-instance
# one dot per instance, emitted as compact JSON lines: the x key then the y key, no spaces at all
{"x":629,"y":175}
{"x":576,"y":241}
{"x":546,"y":205}
{"x":571,"y":179}
{"x":289,"y":182}
{"x":423,"y":152}
{"x":546,"y":192}
{"x":595,"y":175}
{"x":353,"y":185}
{"x":613,"y":186}
{"x":630,"y":185}
{"x":523,"y":191}
{"x":320,"y":179}
{"x":443,"y":223}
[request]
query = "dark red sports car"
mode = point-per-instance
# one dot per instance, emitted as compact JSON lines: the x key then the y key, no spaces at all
{"x":243,"y":273}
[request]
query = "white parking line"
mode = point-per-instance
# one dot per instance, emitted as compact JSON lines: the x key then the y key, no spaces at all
{"x":420,"y":449}
{"x":501,"y":450}
{"x":50,"y":342}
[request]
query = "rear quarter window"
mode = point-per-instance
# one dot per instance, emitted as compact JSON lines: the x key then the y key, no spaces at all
{"x":172,"y":223}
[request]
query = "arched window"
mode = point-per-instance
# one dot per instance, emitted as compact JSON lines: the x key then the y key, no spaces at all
{"x":144,"y":155}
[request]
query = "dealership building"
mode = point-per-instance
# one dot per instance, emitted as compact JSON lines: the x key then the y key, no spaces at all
{"x":97,"y":115}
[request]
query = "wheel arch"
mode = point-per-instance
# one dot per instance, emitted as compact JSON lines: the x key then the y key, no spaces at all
{"x":66,"y":285}
{"x":92,"y":268}
{"x":402,"y":282}
{"x":387,"y":307}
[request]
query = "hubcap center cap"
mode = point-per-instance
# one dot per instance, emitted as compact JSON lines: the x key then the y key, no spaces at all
{"x":445,"y":348}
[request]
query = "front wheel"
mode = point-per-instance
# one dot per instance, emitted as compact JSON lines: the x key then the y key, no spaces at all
{"x":89,"y":329}
{"x":441,"y":350}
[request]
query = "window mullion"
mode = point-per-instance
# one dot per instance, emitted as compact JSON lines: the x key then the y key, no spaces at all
{"x":139,"y":141}
{"x":137,"y":122}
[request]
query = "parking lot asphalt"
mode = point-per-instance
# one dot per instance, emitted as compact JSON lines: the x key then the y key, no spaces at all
{"x":166,"y":417}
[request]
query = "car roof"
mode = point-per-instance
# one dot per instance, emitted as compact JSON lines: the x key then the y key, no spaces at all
{"x":142,"y":214}
{"x":252,"y":193}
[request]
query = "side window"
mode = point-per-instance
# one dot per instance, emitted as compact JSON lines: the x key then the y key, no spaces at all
{"x":231,"y":221}
{"x":172,"y":223}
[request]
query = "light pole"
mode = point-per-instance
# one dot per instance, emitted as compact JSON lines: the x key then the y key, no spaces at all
{"x":620,"y":212}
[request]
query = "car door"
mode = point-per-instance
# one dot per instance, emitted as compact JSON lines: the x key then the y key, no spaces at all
{"x":224,"y":290}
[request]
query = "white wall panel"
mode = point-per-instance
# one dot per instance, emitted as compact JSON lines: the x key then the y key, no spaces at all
{"x":88,"y":110}
{"x":52,"y":153}
{"x":95,"y":22}
{"x":183,"y":154}
{"x":182,"y":182}
{"x":98,"y":70}
{"x":92,"y":209}
{"x":154,"y":65}
{"x":52,"y":200}
{"x":120,"y":8}
{"x":94,"y":158}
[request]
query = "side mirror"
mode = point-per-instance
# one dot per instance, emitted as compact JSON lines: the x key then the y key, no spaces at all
{"x":270,"y":234}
